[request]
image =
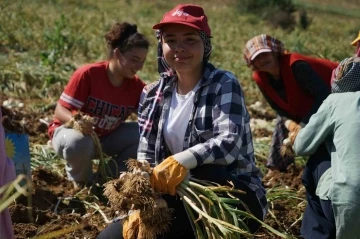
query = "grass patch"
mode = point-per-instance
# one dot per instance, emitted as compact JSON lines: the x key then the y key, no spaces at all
{"x":347,"y":9}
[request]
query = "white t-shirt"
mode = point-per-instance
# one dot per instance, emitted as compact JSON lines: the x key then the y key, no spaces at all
{"x":178,"y":119}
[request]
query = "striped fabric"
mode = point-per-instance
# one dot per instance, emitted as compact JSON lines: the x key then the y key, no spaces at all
{"x":72,"y":101}
{"x":260,"y":43}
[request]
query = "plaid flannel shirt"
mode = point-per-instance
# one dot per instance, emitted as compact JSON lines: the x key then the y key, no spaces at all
{"x":218,"y":130}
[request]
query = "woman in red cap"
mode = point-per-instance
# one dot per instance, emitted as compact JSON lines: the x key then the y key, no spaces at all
{"x":193,"y":120}
{"x":294,"y":85}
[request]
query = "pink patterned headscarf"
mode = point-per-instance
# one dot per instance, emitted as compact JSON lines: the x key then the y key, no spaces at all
{"x":260,"y":44}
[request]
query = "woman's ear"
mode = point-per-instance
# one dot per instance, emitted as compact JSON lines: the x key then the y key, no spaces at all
{"x":116,"y":53}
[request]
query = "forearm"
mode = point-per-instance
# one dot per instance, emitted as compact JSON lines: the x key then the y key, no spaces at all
{"x":315,"y":132}
{"x":221,"y":150}
{"x":304,"y":145}
{"x":62,"y":114}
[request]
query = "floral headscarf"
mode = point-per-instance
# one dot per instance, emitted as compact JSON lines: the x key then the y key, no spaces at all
{"x":346,"y":77}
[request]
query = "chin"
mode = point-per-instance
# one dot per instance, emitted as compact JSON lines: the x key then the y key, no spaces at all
{"x":180,"y":67}
{"x":130,"y":75}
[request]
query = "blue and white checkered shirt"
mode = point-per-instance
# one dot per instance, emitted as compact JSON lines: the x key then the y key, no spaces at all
{"x":218,"y":131}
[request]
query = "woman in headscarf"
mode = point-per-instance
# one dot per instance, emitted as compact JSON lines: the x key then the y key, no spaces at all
{"x":336,"y":123}
{"x":293,"y":84}
{"x":194,"y":121}
{"x":109,"y":92}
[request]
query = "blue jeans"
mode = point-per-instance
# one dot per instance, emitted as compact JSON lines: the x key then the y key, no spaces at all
{"x":318,"y":220}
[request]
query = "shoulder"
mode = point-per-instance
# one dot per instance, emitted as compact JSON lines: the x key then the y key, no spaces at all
{"x":218,"y":83}
{"x":296,"y":59}
{"x":291,"y":58}
{"x":150,"y":87}
{"x":91,"y":68}
{"x":219,"y":76}
{"x":300,"y":65}
{"x":335,"y":99}
{"x":137,"y":82}
{"x":342,"y":98}
{"x":310,"y":60}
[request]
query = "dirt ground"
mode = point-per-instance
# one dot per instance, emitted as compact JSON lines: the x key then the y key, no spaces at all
{"x":56,"y":205}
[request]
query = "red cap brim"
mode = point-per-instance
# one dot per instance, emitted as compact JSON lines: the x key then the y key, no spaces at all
{"x":162,"y":24}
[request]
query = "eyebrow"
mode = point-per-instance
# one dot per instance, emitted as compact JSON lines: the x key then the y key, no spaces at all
{"x":133,"y":56}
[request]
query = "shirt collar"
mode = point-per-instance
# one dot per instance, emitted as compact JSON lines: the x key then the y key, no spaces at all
{"x":205,"y":80}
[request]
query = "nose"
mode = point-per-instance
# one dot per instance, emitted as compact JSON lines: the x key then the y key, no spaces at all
{"x":179,"y":47}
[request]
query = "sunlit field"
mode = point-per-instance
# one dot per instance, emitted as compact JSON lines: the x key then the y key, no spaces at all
{"x":43,"y":42}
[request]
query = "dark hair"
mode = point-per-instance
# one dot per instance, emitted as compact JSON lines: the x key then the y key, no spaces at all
{"x":125,"y":36}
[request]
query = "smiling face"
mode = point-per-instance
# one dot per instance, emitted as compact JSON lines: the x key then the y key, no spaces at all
{"x":131,"y":61}
{"x":267,"y":62}
{"x":183,"y":48}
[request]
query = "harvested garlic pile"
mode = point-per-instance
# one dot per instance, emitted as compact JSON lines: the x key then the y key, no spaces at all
{"x":132,"y":193}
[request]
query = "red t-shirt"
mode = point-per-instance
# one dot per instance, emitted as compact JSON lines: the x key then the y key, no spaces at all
{"x":90,"y":91}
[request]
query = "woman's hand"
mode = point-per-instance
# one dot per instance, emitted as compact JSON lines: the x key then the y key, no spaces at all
{"x":292,"y":125}
{"x":167,"y":175}
{"x":294,"y":129}
{"x":293,"y":134}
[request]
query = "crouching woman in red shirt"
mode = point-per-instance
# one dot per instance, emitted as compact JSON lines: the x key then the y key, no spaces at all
{"x":108,"y":91}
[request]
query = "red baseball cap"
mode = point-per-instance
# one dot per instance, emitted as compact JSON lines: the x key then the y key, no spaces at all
{"x":186,"y":14}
